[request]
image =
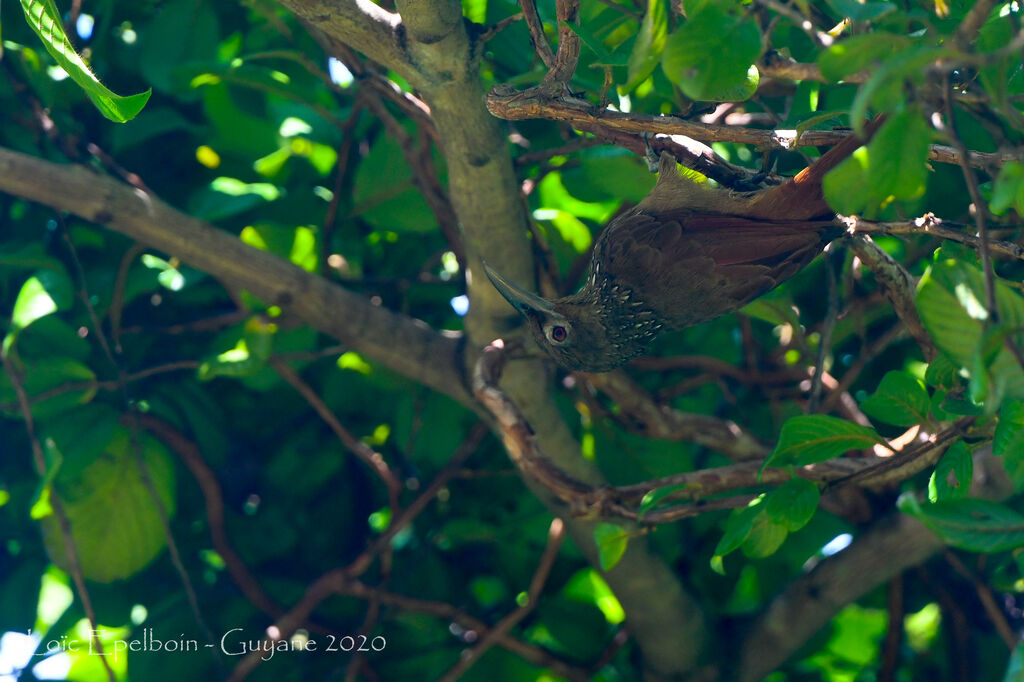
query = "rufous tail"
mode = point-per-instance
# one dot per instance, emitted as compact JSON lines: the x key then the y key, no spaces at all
{"x":802,"y":197}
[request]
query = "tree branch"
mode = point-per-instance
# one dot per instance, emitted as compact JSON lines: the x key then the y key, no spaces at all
{"x":401,"y":343}
{"x":898,"y":286}
{"x":362,"y":24}
{"x":668,"y":424}
{"x":931,"y":225}
{"x":809,"y":603}
{"x":508,"y":103}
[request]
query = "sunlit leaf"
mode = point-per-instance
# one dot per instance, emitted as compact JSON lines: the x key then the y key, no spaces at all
{"x":115,"y":521}
{"x":45,"y":292}
{"x":45,"y":20}
{"x":892,"y":166}
{"x":738,"y":528}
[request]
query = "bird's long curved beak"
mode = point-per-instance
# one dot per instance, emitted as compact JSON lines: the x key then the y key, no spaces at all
{"x":521,"y":299}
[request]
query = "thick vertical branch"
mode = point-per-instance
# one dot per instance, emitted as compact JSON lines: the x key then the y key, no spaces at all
{"x":485,"y":195}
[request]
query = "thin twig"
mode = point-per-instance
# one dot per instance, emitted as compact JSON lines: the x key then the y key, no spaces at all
{"x":338,"y":580}
{"x":929,"y":224}
{"x":190,"y":455}
{"x":828,"y":325}
{"x":894,"y":631}
{"x":818,"y":36}
{"x":540,"y":41}
{"x":372,"y":459}
{"x":136,"y":446}
{"x":980,"y":205}
{"x":988,"y":602}
{"x":556,"y":533}
{"x":74,"y":565}
{"x":897,"y":284}
{"x":492,"y":31}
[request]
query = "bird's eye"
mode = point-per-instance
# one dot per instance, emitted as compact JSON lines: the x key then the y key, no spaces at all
{"x":559,"y":334}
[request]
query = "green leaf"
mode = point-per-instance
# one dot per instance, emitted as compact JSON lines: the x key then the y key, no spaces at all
{"x":941,"y":372}
{"x":1015,"y":668}
{"x":47,"y":291}
{"x":31,"y":256}
{"x":832,"y":117}
{"x":651,"y":499}
{"x":1008,"y":190}
{"x":862,"y":11}
{"x":951,"y":479}
{"x":1009,"y":440}
{"x":572,"y":230}
{"x":857,"y":53}
{"x":773,"y":311}
{"x":166,"y":50}
{"x":475,"y":10}
{"x":995,"y":72}
{"x":950,"y":300}
{"x":711,"y":56}
{"x":650,"y":43}
{"x":43,"y":17}
{"x":115,"y":522}
{"x":900,"y":399}
{"x":793,"y":503}
{"x":248,"y":356}
{"x":589,"y":587}
{"x":885,"y":87}
{"x":169,"y":276}
{"x":816,"y":438}
{"x":50,"y":336}
{"x":597,"y":46}
{"x":394,"y":205}
{"x":766,"y":536}
{"x":848,"y":187}
{"x":949,"y":304}
{"x":81,"y":435}
{"x":893,"y":166}
{"x":737,"y":527}
{"x":611,"y":541}
{"x":974,"y":525}
{"x":41,"y":376}
{"x":603,"y":174}
{"x":899,"y":154}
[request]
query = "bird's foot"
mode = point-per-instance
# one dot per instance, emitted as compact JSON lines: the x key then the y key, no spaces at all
{"x":651,"y":156}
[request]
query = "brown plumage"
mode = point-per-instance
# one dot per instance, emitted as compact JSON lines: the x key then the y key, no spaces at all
{"x":684,"y":255}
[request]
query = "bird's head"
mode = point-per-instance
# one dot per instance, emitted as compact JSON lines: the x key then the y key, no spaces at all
{"x":573,"y":330}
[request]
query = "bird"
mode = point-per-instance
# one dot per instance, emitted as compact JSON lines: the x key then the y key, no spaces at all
{"x":685,"y":254}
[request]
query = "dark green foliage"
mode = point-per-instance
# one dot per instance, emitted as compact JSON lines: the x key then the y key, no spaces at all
{"x":169,"y":403}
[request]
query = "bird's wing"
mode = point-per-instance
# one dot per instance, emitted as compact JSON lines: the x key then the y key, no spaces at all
{"x":694,"y":267}
{"x":726,"y":240}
